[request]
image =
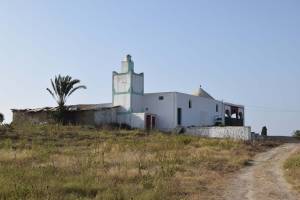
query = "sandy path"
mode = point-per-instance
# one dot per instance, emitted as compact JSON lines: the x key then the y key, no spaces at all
{"x":264,"y":180}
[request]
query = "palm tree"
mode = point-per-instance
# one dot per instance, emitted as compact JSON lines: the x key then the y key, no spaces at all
{"x":1,"y":118}
{"x":62,"y":88}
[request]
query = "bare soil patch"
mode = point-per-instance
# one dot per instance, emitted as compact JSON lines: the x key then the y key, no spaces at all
{"x":264,"y":179}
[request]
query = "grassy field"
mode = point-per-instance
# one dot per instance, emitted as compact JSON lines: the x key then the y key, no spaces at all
{"x":64,"y":162}
{"x":292,"y":170}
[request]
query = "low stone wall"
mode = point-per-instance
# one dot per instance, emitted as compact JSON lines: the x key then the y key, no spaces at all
{"x":233,"y":132}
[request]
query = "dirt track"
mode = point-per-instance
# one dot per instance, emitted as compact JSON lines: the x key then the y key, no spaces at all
{"x":264,"y":179}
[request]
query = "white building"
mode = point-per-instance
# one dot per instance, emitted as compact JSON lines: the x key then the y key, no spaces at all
{"x":167,"y":110}
{"x":132,"y":106}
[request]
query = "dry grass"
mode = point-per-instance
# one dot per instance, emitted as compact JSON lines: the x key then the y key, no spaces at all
{"x":292,"y":170}
{"x":56,"y":162}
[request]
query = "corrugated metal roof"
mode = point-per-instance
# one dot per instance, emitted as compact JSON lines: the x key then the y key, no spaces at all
{"x":79,"y":107}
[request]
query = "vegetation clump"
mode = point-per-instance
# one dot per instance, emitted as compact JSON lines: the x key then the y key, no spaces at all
{"x":264,"y":131}
{"x":297,"y":134}
{"x":292,"y":170}
{"x":1,"y":118}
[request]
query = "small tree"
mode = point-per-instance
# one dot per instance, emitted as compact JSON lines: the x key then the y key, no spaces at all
{"x":297,"y":134}
{"x":1,"y":118}
{"x":264,"y":131}
{"x":62,"y":88}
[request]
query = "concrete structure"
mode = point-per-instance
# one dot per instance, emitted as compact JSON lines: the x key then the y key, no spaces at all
{"x":177,"y":109}
{"x":237,"y":133}
{"x":168,"y":110}
{"x":128,"y":93}
{"x":162,"y":110}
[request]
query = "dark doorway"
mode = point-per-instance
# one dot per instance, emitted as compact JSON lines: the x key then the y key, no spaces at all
{"x":179,"y":116}
{"x":148,"y":122}
{"x":153,"y":122}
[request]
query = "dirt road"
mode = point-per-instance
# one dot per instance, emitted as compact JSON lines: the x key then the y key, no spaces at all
{"x":264,"y":179}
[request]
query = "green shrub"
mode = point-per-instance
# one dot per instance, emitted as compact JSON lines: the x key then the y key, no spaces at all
{"x":264,"y":131}
{"x":1,"y":118}
{"x":297,"y":134}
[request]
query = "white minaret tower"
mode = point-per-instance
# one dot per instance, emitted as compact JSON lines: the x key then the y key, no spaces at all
{"x":128,"y":88}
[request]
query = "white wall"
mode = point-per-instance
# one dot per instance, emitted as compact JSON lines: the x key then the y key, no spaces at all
{"x":131,"y":87}
{"x":233,"y":132}
{"x":135,"y":120}
{"x":137,"y":103}
{"x":122,"y":100}
{"x":202,"y":113}
{"x":138,"y":82}
{"x":138,"y":120}
{"x":121,"y":83}
{"x":163,"y":109}
{"x":137,"y":91}
{"x":203,"y":110}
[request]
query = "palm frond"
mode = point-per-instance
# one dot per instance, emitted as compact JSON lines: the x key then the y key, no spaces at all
{"x":53,"y":86}
{"x":76,"y":88}
{"x":63,"y":87}
{"x":52,"y":94}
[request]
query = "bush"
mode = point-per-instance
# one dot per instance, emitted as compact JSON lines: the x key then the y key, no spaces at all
{"x":1,"y":118}
{"x":297,"y":134}
{"x":264,"y":131}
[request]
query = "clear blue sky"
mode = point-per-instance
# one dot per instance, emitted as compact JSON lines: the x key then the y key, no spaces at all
{"x":245,"y":52}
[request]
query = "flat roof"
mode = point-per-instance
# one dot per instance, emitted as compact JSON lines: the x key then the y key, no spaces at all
{"x":226,"y":103}
{"x":232,"y":104}
{"x":79,"y":107}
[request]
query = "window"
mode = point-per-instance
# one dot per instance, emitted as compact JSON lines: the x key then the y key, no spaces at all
{"x":179,"y":116}
{"x":217,"y":108}
{"x":190,"y":103}
{"x":161,"y":98}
